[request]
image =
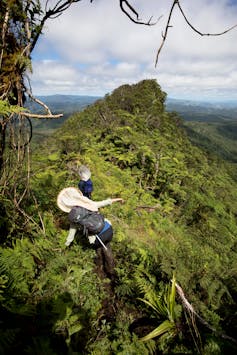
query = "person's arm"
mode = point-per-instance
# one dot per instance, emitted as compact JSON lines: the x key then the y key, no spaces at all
{"x":107,"y":202}
{"x":71,"y":235}
{"x":117,"y":199}
{"x":103,"y":203}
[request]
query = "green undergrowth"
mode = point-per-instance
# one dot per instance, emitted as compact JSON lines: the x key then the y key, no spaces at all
{"x":178,"y":219}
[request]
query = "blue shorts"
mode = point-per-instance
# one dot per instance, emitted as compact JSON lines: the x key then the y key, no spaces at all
{"x":105,"y":235}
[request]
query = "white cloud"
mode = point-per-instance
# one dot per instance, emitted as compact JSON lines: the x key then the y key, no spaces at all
{"x":94,"y":48}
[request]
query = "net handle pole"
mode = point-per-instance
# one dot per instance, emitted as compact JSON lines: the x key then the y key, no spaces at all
{"x":101,"y":242}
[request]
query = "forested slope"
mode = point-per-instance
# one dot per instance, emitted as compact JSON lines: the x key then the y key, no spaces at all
{"x":218,"y":138}
{"x":178,"y":221}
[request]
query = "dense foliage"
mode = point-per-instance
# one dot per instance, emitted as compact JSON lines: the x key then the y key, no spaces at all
{"x":176,"y":227}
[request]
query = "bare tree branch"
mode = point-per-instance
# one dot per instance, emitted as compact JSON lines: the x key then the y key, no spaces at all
{"x":57,"y":10}
{"x":39,"y":102}
{"x":148,"y":23}
{"x":192,"y":311}
{"x":4,"y":29}
{"x":35,"y":115}
{"x":164,"y":36}
{"x":197,"y":31}
{"x":149,"y":208}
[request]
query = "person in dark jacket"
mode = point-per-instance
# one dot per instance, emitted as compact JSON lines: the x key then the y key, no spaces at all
{"x":85,"y":184}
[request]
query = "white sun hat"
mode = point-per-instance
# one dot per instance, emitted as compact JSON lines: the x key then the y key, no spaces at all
{"x":70,"y":197}
{"x":84,"y":173}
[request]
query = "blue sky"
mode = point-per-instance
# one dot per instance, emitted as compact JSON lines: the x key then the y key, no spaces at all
{"x":93,"y":48}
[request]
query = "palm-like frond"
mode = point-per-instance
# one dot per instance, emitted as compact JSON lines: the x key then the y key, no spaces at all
{"x":165,"y":307}
{"x":171,"y":300}
{"x":156,"y":305}
{"x":164,"y":328}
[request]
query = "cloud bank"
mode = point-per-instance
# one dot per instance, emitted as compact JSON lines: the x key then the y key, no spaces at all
{"x":93,"y":48}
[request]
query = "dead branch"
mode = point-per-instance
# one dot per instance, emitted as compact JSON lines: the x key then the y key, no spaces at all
{"x":59,"y":7}
{"x":168,"y":26}
{"x":201,"y":33}
{"x":28,"y":32}
{"x":51,"y":13}
{"x":27,"y":217}
{"x":35,"y":115}
{"x":148,"y":208}
{"x":39,"y":102}
{"x":49,"y":114}
{"x":39,"y":214}
{"x":4,"y":30}
{"x":164,"y":36}
{"x":134,"y":12}
{"x":192,"y":311}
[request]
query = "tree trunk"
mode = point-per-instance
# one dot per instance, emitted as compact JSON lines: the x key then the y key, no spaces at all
{"x":2,"y":145}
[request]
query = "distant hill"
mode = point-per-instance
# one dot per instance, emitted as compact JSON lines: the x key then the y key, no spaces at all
{"x":211,"y":126}
{"x":203,"y":111}
{"x":65,"y":104}
{"x":189,"y":110}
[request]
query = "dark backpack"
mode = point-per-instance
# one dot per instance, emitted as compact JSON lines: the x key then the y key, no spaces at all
{"x":93,"y":222}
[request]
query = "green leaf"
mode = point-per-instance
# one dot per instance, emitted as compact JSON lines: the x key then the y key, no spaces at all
{"x":171,"y":304}
{"x":165,"y":327}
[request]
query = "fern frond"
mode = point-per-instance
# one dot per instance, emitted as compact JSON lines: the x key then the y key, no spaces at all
{"x":7,"y":339}
{"x":145,"y":282}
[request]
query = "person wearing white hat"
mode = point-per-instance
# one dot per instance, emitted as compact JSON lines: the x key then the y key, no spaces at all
{"x":71,"y":197}
{"x":68,"y":200}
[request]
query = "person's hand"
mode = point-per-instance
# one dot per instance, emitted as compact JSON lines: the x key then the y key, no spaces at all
{"x":92,"y":239}
{"x":118,"y":199}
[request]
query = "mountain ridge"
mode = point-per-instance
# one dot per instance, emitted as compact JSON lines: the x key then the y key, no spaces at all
{"x":189,"y":109}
